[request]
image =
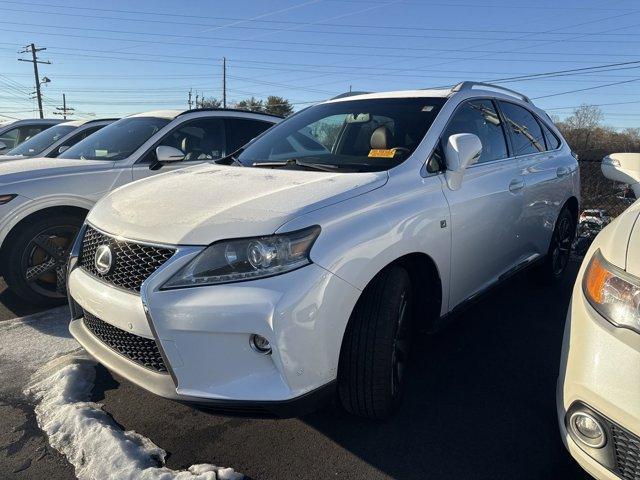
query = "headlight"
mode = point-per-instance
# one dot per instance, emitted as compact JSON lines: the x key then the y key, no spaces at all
{"x":613,"y":293}
{"x":247,"y":259}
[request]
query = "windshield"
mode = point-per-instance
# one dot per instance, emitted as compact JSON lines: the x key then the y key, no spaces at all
{"x":116,"y":141}
{"x":38,"y":143}
{"x":357,"y":135}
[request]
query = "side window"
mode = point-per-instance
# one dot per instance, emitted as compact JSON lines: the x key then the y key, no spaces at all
{"x":27,"y":132}
{"x":10,"y":138}
{"x":70,"y":142}
{"x":552,"y":141}
{"x":526,"y":134}
{"x":242,"y":130}
{"x":480,"y":118}
{"x":201,"y":139}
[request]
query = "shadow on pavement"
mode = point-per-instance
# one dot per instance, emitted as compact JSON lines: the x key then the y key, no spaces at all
{"x":480,"y":405}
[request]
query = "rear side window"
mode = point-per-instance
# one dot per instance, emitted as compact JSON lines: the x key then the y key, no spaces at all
{"x":241,"y":130}
{"x":526,"y":133}
{"x":480,"y":118}
{"x":10,"y":138}
{"x":552,"y":141}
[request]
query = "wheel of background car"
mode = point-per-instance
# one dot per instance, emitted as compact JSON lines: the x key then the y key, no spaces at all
{"x":557,"y":259}
{"x":375,"y":348}
{"x":36,"y":256}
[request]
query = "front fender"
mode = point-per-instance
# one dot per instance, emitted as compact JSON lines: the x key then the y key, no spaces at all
{"x":363,"y":235}
{"x":21,"y":207}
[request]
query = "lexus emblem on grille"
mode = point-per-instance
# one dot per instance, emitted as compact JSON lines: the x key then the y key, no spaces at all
{"x":103,"y":259}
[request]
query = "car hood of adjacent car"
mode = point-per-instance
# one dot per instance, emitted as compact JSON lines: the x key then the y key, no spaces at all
{"x":206,"y":203}
{"x":619,"y":242}
{"x":30,"y":169}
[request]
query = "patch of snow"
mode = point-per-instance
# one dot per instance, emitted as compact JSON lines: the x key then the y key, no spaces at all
{"x":90,"y":439}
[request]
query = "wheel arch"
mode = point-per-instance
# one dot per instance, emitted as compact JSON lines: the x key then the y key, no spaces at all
{"x":19,"y":222}
{"x":572,"y":204}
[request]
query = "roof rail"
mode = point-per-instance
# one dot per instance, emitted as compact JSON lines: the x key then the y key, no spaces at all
{"x":348,"y":94}
{"x":214,"y":109}
{"x":468,"y":85}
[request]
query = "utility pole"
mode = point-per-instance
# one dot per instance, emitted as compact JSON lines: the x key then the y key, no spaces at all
{"x":224,"y":82}
{"x":189,"y":101}
{"x":64,"y":110}
{"x":33,"y":50}
{"x":197,"y":99}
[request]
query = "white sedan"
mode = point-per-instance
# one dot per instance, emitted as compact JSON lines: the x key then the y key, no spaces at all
{"x":598,"y":396}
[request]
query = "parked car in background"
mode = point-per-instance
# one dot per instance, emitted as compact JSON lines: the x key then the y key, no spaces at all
{"x":598,"y":396}
{"x":301,"y":264}
{"x":595,"y":215}
{"x":14,"y":133}
{"x":43,"y":201}
{"x":55,"y":140}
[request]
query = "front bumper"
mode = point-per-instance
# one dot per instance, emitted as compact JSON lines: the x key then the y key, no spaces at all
{"x":600,"y":368}
{"x":203,"y":334}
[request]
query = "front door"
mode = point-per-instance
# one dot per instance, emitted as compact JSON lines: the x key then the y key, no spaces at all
{"x":487,"y":210}
{"x":200,"y":140}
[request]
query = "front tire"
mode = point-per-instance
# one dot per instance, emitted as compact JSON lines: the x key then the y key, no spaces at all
{"x":36,"y":256}
{"x":375,"y":349}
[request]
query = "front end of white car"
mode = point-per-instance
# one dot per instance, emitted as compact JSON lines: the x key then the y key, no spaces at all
{"x":598,"y":396}
{"x":165,"y":319}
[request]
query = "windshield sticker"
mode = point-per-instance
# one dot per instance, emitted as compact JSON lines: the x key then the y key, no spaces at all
{"x":382,"y":152}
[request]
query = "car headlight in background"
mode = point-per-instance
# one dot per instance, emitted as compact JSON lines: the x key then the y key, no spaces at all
{"x":613,"y":293}
{"x":247,"y":259}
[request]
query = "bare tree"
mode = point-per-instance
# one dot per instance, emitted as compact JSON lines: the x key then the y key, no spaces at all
{"x":252,"y":104}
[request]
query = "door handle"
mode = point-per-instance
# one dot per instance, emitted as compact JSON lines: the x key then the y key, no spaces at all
{"x":516,"y":184}
{"x":562,"y":172}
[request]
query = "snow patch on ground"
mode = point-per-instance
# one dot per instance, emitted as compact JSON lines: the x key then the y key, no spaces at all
{"x":62,"y":377}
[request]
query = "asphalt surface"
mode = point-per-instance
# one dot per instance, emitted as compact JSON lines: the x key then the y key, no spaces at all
{"x":480,"y":405}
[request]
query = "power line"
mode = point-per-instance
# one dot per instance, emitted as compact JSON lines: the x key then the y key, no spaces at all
{"x":585,"y":89}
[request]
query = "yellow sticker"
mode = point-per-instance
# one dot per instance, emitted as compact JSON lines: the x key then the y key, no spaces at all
{"x":382,"y":152}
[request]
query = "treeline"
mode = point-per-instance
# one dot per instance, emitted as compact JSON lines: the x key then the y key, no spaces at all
{"x":591,"y":140}
{"x":273,"y":104}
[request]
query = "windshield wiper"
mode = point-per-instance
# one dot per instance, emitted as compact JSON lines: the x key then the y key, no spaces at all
{"x":323,"y":167}
{"x":231,"y":159}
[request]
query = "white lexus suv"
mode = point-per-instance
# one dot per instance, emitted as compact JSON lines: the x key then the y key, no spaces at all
{"x":43,"y":201}
{"x":299,"y":266}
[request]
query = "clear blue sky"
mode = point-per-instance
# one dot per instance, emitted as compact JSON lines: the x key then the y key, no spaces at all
{"x":119,"y":57}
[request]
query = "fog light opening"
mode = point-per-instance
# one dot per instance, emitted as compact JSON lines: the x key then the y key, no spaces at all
{"x":260,"y":344}
{"x":588,"y":429}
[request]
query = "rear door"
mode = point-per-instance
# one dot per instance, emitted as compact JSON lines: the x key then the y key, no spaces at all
{"x":547,"y":175}
{"x":486,"y":212}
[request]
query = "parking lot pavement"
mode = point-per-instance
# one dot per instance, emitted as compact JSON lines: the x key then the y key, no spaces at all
{"x":480,"y":405}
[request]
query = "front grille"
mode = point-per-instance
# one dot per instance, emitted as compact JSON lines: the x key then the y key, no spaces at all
{"x":143,"y":351}
{"x":627,"y":450}
{"x":133,"y":263}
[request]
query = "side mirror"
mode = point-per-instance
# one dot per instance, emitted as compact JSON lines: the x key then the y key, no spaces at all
{"x":62,"y":149}
{"x":623,"y":167}
{"x":167,"y":154}
{"x":461,"y":151}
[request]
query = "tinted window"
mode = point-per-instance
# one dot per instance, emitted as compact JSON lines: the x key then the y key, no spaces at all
{"x":348,"y":135}
{"x":552,"y":141}
{"x":118,"y":140}
{"x":526,"y":134}
{"x":199,"y":140}
{"x":71,"y":141}
{"x":41,"y":141}
{"x":10,"y":138}
{"x":242,"y":130}
{"x":480,"y":118}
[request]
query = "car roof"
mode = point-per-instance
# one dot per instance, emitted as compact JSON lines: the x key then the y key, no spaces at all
{"x":169,"y":114}
{"x":79,"y":123}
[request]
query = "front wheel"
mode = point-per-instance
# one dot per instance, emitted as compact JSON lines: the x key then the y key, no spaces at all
{"x":375,"y":349}
{"x":36,"y":258}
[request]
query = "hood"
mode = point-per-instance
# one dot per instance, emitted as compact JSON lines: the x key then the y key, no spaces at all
{"x":10,"y":157}
{"x":620,"y":240}
{"x":27,"y":169}
{"x":202,"y":204}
